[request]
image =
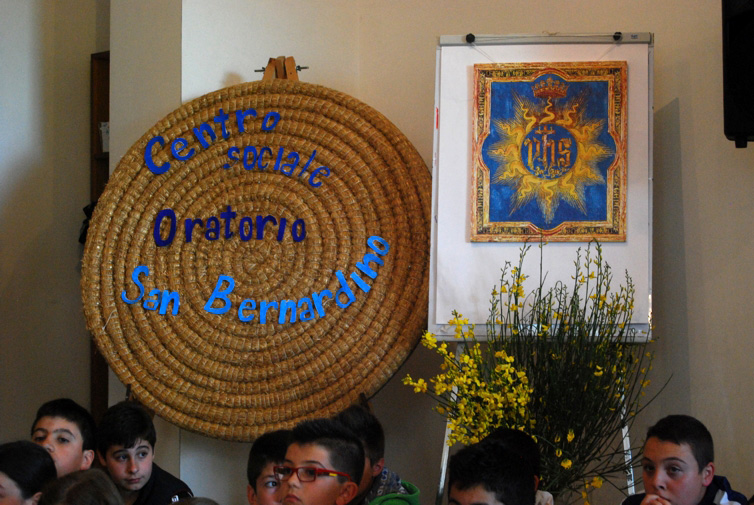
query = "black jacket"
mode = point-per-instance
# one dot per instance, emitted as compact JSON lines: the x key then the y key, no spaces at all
{"x":162,"y":489}
{"x":718,"y":488}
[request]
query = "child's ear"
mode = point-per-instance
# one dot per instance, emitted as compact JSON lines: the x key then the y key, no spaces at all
{"x":348,"y":492}
{"x":251,"y":495}
{"x":88,"y":459}
{"x":35,"y":498}
{"x":377,"y":467}
{"x":708,"y":472}
{"x":102,"y":460}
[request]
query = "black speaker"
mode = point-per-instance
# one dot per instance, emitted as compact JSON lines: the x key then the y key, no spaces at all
{"x":738,"y":70}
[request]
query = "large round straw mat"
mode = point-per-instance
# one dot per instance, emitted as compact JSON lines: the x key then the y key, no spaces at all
{"x":213,"y":373}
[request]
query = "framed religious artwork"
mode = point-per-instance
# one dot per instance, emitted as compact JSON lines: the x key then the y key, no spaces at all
{"x":539,"y":139}
{"x":549,"y":151}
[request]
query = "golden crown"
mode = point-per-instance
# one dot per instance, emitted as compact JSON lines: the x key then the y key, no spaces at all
{"x":550,"y":88}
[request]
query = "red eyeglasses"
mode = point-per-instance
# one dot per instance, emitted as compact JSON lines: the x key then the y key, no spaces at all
{"x":306,"y":473}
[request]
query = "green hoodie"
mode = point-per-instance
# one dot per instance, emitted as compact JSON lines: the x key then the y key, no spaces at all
{"x":412,"y":498}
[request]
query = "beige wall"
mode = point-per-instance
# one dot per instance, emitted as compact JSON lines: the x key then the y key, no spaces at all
{"x":44,"y":184}
{"x":384,"y":54}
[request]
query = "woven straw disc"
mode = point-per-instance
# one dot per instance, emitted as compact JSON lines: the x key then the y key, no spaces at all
{"x":213,"y":373}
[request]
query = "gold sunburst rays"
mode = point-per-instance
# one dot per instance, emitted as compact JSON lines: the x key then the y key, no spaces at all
{"x":562,"y":179}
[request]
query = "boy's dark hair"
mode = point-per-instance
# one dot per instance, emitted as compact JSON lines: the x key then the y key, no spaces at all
{"x":520,"y":443}
{"x":268,"y":448}
{"x":27,"y":464}
{"x":123,"y":424}
{"x":487,"y":464}
{"x":83,"y":487}
{"x":70,"y":411}
{"x":344,"y":448}
{"x":681,"y":429}
{"x":367,"y":427}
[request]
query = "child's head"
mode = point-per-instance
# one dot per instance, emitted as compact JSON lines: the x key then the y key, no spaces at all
{"x":323,"y":465}
{"x":84,"y":487}
{"x":678,"y":460}
{"x":519,"y":443}
{"x":367,"y":427}
{"x":680,"y":430}
{"x":66,"y":430}
{"x":25,"y":468}
{"x":125,"y":445}
{"x":267,"y":452}
{"x":486,"y":473}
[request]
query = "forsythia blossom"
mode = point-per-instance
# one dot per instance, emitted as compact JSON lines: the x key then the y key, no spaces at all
{"x":564,"y":363}
{"x":474,"y":397}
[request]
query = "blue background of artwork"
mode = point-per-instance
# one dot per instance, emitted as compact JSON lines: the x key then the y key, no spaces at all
{"x":502,"y":106}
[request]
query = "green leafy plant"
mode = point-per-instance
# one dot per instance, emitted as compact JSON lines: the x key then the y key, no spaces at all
{"x":575,"y":372}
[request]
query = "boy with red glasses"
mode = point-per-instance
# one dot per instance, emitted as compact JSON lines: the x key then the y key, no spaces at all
{"x":323,"y":465}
